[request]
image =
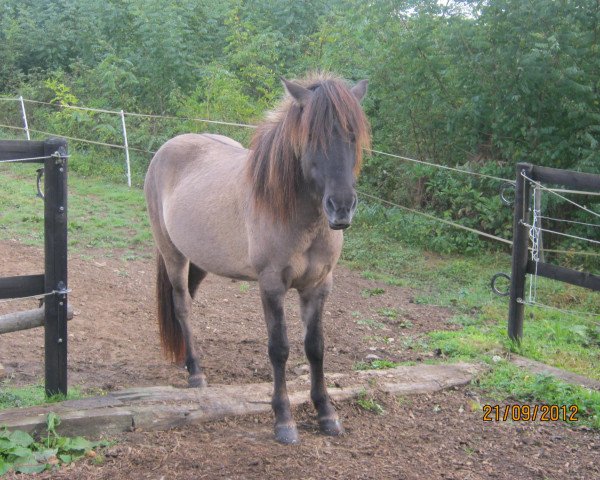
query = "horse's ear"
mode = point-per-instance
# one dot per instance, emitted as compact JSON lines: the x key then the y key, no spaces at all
{"x":299,"y":93}
{"x":360,"y":89}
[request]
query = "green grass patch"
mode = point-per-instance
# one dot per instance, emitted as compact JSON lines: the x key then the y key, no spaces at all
{"x":368,"y":403}
{"x":20,"y":397}
{"x":372,"y":292}
{"x":369,"y":322}
{"x":375,"y":365}
{"x":506,"y":381}
{"x":388,"y":312}
{"x":100,"y":214}
{"x":21,"y":453}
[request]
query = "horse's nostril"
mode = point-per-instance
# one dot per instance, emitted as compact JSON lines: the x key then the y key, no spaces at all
{"x":330,"y":205}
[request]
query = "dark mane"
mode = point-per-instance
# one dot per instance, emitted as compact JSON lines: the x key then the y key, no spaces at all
{"x":274,"y":163}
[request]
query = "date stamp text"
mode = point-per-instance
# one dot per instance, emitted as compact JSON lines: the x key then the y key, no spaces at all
{"x":530,"y":413}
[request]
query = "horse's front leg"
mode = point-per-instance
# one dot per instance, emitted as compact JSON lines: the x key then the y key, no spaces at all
{"x":272,"y":300}
{"x":312,"y":301}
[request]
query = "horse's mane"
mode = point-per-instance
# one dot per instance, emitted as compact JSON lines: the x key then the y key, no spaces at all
{"x":274,"y":162}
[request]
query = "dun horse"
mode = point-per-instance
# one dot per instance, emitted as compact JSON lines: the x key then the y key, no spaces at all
{"x":274,"y":213}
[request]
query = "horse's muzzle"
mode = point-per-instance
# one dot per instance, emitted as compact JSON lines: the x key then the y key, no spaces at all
{"x":340,"y":210}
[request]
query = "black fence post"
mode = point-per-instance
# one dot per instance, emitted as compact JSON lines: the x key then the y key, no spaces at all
{"x":519,"y":253}
{"x":55,"y":245}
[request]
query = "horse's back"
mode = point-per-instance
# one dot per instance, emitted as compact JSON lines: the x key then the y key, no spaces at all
{"x":197,"y":196}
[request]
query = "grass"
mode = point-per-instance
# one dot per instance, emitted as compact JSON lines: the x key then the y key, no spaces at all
{"x":369,"y":322}
{"x":20,"y":397}
{"x":508,"y":381}
{"x":375,"y":365}
{"x":368,"y":403}
{"x":101,"y":215}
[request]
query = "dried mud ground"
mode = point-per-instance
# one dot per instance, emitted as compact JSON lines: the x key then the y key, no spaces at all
{"x":113,"y":343}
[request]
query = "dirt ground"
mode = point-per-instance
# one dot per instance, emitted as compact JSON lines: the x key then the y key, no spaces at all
{"x":113,"y":343}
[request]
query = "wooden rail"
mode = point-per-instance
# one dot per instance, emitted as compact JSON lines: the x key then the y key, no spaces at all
{"x":520,"y":263}
{"x":52,"y":284}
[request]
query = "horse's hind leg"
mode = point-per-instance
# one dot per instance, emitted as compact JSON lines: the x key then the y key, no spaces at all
{"x":178,"y":280}
{"x":312,"y":301}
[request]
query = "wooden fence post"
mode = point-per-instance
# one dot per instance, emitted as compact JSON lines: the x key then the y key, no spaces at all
{"x":519,"y":253}
{"x":55,"y":245}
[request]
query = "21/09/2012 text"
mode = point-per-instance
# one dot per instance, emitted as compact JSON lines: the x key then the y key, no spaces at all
{"x":530,"y":413}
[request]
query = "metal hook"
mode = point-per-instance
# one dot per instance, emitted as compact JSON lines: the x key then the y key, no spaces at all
{"x":503,"y":189}
{"x":493,"y":284}
{"x":40,"y":174}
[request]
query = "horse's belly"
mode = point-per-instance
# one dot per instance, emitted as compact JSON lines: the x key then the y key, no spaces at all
{"x":211,"y":234}
{"x":214,"y":250}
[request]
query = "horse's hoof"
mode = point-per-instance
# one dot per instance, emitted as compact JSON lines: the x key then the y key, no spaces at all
{"x":332,"y":427}
{"x":287,"y":434}
{"x":197,"y":381}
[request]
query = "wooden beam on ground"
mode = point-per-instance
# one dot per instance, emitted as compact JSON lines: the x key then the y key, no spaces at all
{"x":24,"y":320}
{"x":161,"y":408}
{"x":569,"y":377}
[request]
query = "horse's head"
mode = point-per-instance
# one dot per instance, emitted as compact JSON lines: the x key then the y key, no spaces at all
{"x":333,"y":132}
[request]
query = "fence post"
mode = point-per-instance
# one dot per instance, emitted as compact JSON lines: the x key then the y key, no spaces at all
{"x":24,"y":115}
{"x":55,"y":243}
{"x":126,"y":149}
{"x":519,"y":253}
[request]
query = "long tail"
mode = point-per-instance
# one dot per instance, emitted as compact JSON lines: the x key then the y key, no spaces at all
{"x":171,"y":335}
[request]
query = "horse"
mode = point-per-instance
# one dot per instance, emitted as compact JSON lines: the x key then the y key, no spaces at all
{"x":273,"y":214}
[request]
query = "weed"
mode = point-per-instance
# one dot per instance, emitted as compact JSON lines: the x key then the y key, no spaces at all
{"x":368,"y":403}
{"x":388,"y":312}
{"x":371,"y":292}
{"x":375,"y":365}
{"x":244,"y":287}
{"x":20,"y":452}
{"x":370,"y":323}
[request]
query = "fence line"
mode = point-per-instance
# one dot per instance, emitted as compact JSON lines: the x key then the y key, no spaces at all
{"x":538,"y":184}
{"x":24,"y":160}
{"x":141,"y":115}
{"x":570,"y":221}
{"x":560,"y":233}
{"x":93,"y":142}
{"x":245,"y":125}
{"x":126,"y":148}
{"x":201,"y":120}
{"x":432,"y":217}
{"x":437,"y":165}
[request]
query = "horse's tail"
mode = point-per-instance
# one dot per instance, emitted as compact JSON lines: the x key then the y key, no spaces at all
{"x":171,"y":335}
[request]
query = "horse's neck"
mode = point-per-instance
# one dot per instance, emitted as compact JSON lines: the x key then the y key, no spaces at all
{"x":309,"y":209}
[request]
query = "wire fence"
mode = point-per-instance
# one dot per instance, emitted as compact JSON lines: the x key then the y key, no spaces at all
{"x":126,"y":148}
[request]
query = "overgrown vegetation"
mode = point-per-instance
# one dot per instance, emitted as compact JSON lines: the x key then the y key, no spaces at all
{"x":469,"y":83}
{"x":21,"y":453}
